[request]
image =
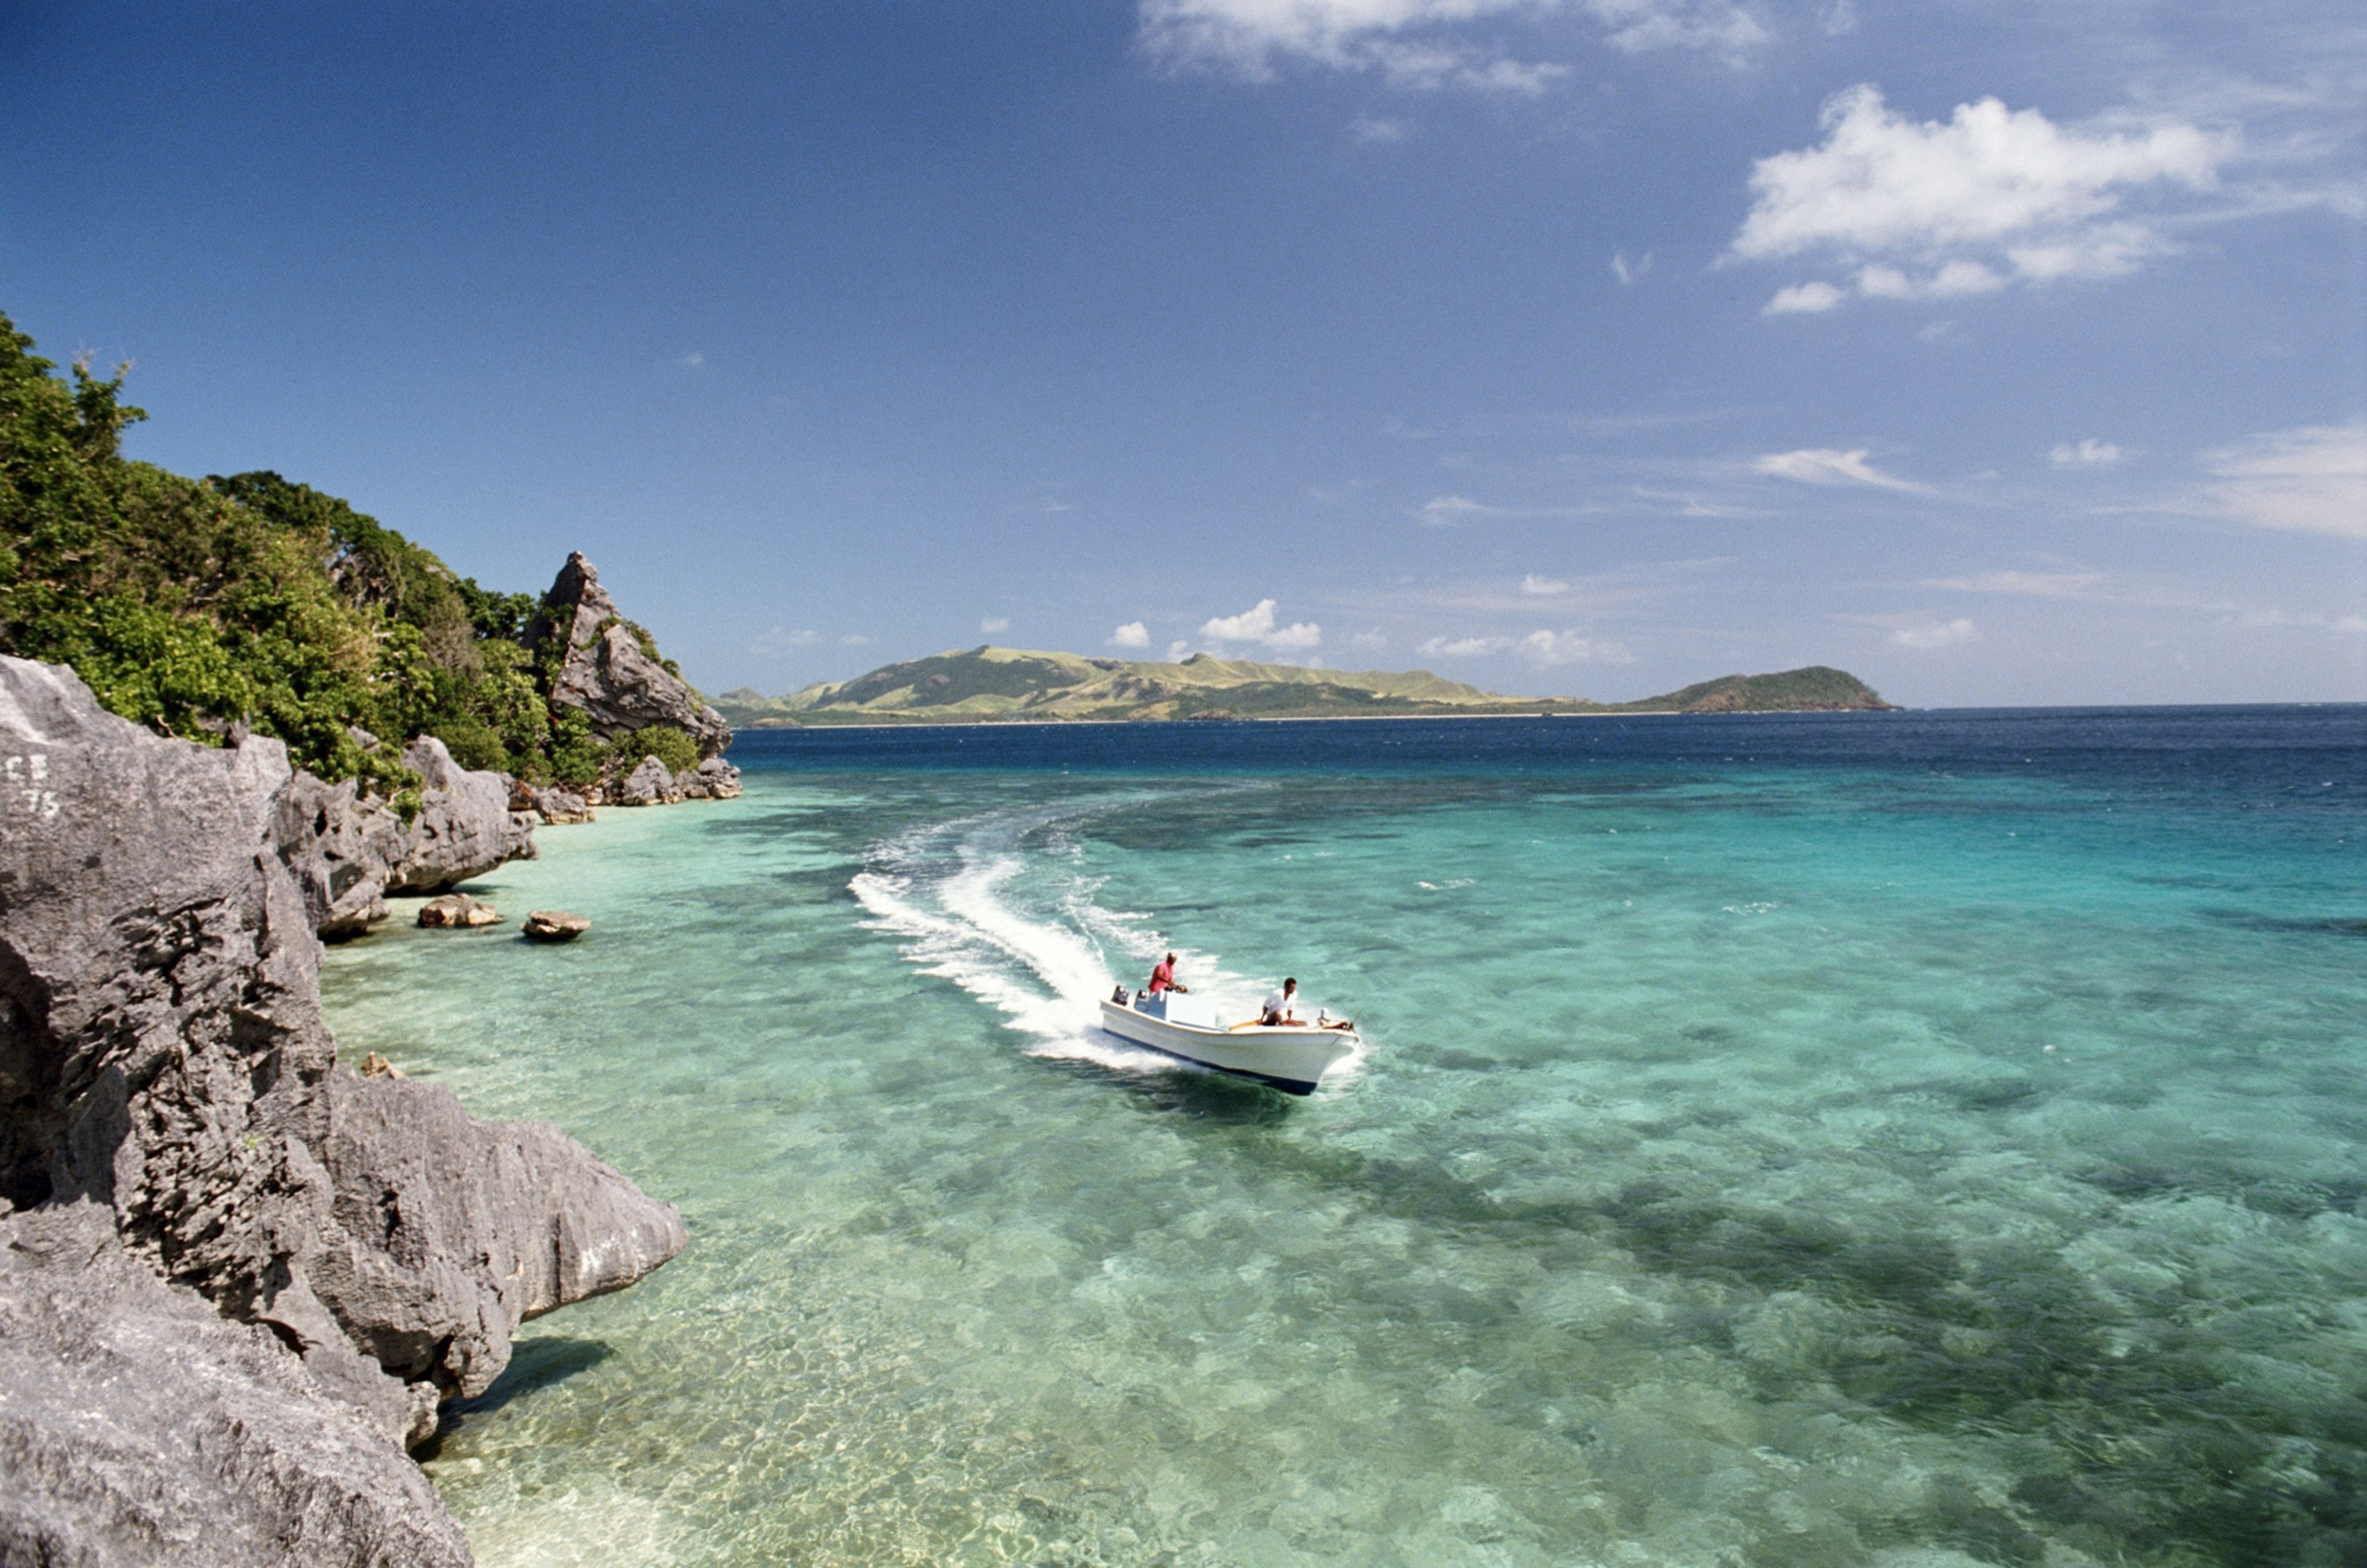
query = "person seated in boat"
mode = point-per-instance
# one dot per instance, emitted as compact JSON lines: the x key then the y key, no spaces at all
{"x":1282,"y":1006}
{"x":1163,"y":979}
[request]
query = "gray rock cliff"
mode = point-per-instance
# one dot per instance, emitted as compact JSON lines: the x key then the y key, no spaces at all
{"x":140,"y":1426}
{"x":605,"y":670}
{"x":163,"y":1058}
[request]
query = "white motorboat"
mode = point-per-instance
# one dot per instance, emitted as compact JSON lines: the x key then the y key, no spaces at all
{"x":1292,"y":1057}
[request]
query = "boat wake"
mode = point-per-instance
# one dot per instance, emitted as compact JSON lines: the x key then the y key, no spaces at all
{"x":999,"y":904}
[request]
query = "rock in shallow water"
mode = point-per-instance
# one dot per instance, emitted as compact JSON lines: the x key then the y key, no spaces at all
{"x":163,"y":1060}
{"x":457,"y":910}
{"x":553,"y":925}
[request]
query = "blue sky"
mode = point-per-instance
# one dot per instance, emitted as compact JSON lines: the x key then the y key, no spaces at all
{"x":2001,"y":352}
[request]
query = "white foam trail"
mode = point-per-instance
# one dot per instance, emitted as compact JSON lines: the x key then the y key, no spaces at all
{"x":948,"y":891}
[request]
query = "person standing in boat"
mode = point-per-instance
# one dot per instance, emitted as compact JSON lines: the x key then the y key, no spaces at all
{"x":1281,"y":1007}
{"x":1163,"y":979}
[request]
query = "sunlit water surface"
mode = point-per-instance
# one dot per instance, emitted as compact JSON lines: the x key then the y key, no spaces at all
{"x":1894,"y":1139}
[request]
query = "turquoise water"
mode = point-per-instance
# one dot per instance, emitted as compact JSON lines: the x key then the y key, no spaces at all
{"x":1911,"y":1141}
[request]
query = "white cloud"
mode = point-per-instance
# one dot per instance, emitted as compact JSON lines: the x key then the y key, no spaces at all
{"x":1463,"y":646}
{"x":1177,"y":650}
{"x":1543,"y":647}
{"x":1629,"y":273}
{"x":1825,"y":466}
{"x":1446,"y":511}
{"x":780,"y":640}
{"x":993,"y":624}
{"x":1134,"y":634}
{"x":2086,"y":453}
{"x":1543,"y":586}
{"x":1813,"y":298}
{"x":1416,"y":43}
{"x":1943,"y":208}
{"x":1256,"y":625}
{"x":2028,"y":584}
{"x":1569,"y":648}
{"x":1377,"y":129}
{"x":694,"y":360}
{"x":1369,"y":642}
{"x":1933,"y":634}
{"x":2313,"y":479}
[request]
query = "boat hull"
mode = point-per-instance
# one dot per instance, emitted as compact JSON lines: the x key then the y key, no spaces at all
{"x":1292,"y":1059}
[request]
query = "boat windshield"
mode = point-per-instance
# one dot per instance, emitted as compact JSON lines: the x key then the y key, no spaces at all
{"x":1188,"y":1009}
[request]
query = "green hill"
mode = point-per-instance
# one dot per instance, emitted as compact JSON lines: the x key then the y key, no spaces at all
{"x":195,"y":606}
{"x":1003,"y":684}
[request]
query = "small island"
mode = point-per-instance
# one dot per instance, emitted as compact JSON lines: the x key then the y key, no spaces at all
{"x":1006,"y":685}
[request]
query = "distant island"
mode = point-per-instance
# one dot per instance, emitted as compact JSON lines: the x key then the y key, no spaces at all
{"x":990,"y":684}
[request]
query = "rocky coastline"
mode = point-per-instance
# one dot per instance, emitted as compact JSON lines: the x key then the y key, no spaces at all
{"x":238,"y":1278}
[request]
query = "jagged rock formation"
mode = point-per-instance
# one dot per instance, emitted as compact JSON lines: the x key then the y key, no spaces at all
{"x":347,"y":851}
{"x":465,"y":825}
{"x":141,"y":1426}
{"x":605,"y":669}
{"x":713,"y":779}
{"x":648,"y":784}
{"x":550,"y":802}
{"x":163,"y":1057}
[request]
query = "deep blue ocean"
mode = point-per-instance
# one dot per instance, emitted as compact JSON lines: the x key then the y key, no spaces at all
{"x":1915,"y":1139}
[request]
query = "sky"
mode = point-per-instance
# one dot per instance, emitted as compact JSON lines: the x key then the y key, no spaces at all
{"x":2001,"y":352}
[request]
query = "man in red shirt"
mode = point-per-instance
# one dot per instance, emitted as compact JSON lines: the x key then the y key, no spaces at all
{"x":1163,"y":979}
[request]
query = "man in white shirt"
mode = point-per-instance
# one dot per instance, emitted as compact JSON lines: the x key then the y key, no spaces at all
{"x":1280,"y":1006}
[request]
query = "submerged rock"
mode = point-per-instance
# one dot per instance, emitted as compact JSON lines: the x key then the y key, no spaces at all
{"x":553,"y":925}
{"x":605,"y":669}
{"x":457,"y":910}
{"x":163,"y":1057}
{"x":648,"y":784}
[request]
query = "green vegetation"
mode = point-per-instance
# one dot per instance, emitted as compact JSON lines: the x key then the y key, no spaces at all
{"x":194,"y":606}
{"x":1014,"y":684}
{"x":672,"y":747}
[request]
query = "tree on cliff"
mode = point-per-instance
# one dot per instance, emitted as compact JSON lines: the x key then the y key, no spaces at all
{"x":190,"y":606}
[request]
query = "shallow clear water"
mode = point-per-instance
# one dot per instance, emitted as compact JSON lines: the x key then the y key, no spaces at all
{"x":1904,"y":1139}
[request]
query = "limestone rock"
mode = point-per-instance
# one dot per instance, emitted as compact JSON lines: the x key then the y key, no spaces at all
{"x":604,"y":670}
{"x":138,"y":1426}
{"x":456,"y":1230}
{"x":160,"y":1041}
{"x":553,"y":804}
{"x":465,"y":825}
{"x":347,"y":851}
{"x":713,"y":779}
{"x":648,"y":784}
{"x":162,"y":1056}
{"x":340,"y":850}
{"x":457,"y":910}
{"x":553,"y":925}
